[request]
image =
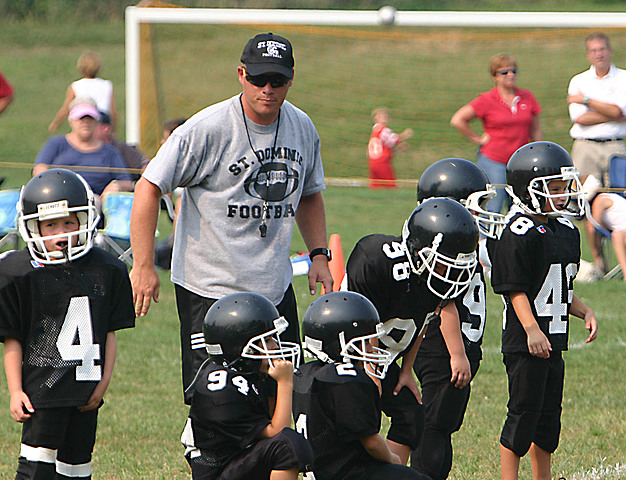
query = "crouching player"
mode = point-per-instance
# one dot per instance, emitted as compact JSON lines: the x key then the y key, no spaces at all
{"x":61,"y":302}
{"x":337,"y":403}
{"x":534,"y":266}
{"x":407,"y":278}
{"x":231,"y":433}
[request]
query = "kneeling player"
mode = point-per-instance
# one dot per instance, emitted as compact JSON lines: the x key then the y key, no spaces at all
{"x":534,"y":266}
{"x":337,"y":403}
{"x":230,"y":433}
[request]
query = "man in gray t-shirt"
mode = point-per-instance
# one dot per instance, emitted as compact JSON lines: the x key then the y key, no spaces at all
{"x":249,"y":166}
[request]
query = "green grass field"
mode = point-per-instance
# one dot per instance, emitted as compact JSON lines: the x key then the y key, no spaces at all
{"x":141,"y":422}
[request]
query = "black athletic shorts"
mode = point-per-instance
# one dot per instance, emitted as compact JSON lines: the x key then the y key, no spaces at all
{"x":58,"y":440}
{"x":535,"y":396}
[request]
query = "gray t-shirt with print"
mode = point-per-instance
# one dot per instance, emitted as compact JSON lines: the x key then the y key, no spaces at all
{"x":218,"y":248}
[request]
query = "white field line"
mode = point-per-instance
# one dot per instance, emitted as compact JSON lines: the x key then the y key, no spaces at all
{"x":603,"y":472}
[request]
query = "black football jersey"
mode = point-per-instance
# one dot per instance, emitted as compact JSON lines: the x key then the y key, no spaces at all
{"x":334,"y":406}
{"x":471,"y":305}
{"x":541,"y":260}
{"x":228,"y":411}
{"x":378,"y":269}
{"x":61,"y":315}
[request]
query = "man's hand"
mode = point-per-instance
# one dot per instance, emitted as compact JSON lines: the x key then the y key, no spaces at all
{"x":319,"y":273}
{"x":145,"y":282}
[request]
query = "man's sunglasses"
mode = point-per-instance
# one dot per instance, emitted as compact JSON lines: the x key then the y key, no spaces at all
{"x":275,"y":80}
{"x":507,"y":71}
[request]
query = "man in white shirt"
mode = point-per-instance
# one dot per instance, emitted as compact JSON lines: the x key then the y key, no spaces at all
{"x":597,"y":105}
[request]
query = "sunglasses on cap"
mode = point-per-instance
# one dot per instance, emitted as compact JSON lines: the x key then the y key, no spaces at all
{"x":274,"y":79}
{"x":507,"y":71}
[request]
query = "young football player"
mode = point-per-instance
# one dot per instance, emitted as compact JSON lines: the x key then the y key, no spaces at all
{"x":444,"y":403}
{"x":337,"y":403}
{"x":406,"y":278}
{"x":232,"y":431}
{"x":61,"y":301}
{"x":534,"y":266}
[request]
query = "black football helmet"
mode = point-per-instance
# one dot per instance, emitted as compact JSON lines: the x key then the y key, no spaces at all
{"x":465,"y":182}
{"x":530,"y":169}
{"x":337,"y":327}
{"x":52,"y":194}
{"x":440,"y":240}
{"x":237,"y":332}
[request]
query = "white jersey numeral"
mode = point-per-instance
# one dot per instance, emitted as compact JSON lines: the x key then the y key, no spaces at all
{"x":77,"y":323}
{"x":393,"y":250}
{"x":401,"y":270}
{"x":301,"y":428}
{"x":521,"y":226}
{"x":346,"y":369}
{"x":216,"y":380}
{"x":408,"y":330}
{"x":474,"y":300}
{"x":301,"y":425}
{"x":549,"y":302}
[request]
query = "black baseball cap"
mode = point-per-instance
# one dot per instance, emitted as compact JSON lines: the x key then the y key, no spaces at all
{"x":268,"y":53}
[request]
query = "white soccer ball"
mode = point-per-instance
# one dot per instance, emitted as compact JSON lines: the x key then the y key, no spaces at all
{"x":387,"y":15}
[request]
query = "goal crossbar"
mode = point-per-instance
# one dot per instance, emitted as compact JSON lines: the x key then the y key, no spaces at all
{"x":135,"y":16}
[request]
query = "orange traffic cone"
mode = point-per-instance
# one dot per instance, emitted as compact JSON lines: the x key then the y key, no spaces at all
{"x":336,"y":265}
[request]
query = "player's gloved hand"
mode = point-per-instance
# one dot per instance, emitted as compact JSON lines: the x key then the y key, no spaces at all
{"x":461,"y":372}
{"x":538,"y":343}
{"x":20,"y":406}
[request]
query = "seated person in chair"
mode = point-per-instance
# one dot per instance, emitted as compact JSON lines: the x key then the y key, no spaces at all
{"x":104,"y":170}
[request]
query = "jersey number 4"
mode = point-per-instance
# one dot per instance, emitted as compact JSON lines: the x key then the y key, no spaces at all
{"x":77,"y":325}
{"x":549,"y":302}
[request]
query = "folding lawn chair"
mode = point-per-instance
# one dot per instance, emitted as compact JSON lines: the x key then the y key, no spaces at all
{"x":116,"y":208}
{"x":617,"y":179}
{"x":9,"y":233}
{"x":617,"y":173}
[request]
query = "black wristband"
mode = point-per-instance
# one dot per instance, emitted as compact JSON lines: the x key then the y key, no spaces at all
{"x":320,"y":251}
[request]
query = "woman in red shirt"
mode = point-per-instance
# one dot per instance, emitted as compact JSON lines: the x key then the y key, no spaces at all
{"x":510,"y":118}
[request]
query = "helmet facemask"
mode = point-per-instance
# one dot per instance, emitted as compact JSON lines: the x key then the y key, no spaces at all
{"x":260,"y":347}
{"x":490,"y":224}
{"x":82,"y":238}
{"x":375,"y":360}
{"x":447,"y":277}
{"x":539,"y":194}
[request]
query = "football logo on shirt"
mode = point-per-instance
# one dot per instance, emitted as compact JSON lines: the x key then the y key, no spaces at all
{"x":541,"y":229}
{"x":272,"y":182}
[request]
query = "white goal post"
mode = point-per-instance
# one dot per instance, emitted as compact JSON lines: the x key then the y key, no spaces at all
{"x":138,"y":15}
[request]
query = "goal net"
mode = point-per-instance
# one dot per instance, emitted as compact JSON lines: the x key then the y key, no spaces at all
{"x":423,"y":68}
